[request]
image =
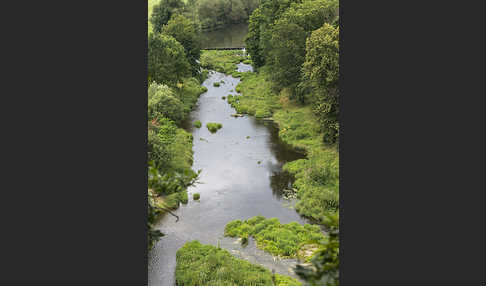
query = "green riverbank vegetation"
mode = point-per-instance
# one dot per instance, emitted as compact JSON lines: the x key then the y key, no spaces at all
{"x":290,"y":240}
{"x":214,"y":127}
{"x":174,"y":86}
{"x":199,"y":264}
{"x":222,"y":61}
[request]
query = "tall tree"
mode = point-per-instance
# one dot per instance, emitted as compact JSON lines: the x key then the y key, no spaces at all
{"x":167,"y":62}
{"x":163,"y":11}
{"x":186,"y":32}
{"x":321,"y":73}
{"x":287,"y":44}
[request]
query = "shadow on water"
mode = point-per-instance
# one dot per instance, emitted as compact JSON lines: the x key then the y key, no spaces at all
{"x":242,"y":177}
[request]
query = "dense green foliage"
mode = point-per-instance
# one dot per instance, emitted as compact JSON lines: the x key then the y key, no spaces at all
{"x":299,"y":42}
{"x":196,"y":196}
{"x":199,"y":264}
{"x":173,"y":186}
{"x":213,"y":127}
{"x":173,"y":51}
{"x":324,"y":270}
{"x":321,"y":74}
{"x":289,"y":33}
{"x":197,"y":124}
{"x":215,"y":14}
{"x":163,"y":11}
{"x":162,"y":102}
{"x":167,"y":62}
{"x":279,"y":239}
{"x":187,"y":33}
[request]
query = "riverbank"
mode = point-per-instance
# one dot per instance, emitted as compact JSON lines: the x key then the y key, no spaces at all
{"x":199,"y":264}
{"x":317,"y":176}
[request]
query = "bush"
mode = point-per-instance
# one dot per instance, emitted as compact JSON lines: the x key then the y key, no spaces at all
{"x":197,"y":124}
{"x":223,"y":97}
{"x":162,"y":102}
{"x":196,"y":196}
{"x":213,"y":127}
{"x":216,"y":84}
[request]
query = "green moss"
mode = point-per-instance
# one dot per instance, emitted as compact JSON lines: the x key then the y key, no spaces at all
{"x":284,"y":240}
{"x":199,"y":264}
{"x":196,"y":196}
{"x":197,"y":124}
{"x":213,"y":127}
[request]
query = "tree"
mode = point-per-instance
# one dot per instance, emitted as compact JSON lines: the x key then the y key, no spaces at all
{"x":287,"y":44}
{"x":163,"y":11}
{"x":187,"y":33}
{"x":261,"y":21}
{"x":167,"y":62}
{"x":162,"y":102}
{"x":321,"y":73}
{"x":325,"y":264}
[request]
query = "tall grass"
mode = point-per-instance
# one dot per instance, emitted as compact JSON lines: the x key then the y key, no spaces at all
{"x":199,"y":265}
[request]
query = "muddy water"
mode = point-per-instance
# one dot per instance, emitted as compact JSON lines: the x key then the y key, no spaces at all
{"x":233,"y":184}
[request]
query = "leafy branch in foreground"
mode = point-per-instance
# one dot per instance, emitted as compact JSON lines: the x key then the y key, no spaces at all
{"x":324,"y":268}
{"x":164,"y":184}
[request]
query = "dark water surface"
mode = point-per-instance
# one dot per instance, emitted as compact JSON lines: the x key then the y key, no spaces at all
{"x":229,"y":37}
{"x":234,"y":185}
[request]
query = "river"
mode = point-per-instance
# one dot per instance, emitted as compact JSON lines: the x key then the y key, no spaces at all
{"x":233,"y":184}
{"x":232,"y":36}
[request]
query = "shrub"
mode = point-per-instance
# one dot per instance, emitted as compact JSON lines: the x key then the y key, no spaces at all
{"x":197,"y":124}
{"x":213,"y":127}
{"x":223,"y":97}
{"x":216,"y":84}
{"x":196,"y":196}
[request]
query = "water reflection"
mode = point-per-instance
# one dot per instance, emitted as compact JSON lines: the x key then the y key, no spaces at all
{"x":229,"y":37}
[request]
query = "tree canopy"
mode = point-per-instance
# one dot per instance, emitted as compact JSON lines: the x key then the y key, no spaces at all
{"x":163,"y":11}
{"x":187,"y":33}
{"x":321,"y":71}
{"x":167,"y":62}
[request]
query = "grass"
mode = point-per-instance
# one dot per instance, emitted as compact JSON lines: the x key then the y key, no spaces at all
{"x":221,"y":61}
{"x":284,"y":240}
{"x":213,"y":127}
{"x":258,"y":99}
{"x":197,"y":124}
{"x":196,"y":196}
{"x":188,"y":92}
{"x":181,"y":150}
{"x":207,"y":265}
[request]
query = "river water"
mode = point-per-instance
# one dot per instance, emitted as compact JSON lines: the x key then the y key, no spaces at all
{"x":232,"y":36}
{"x":234,"y":185}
